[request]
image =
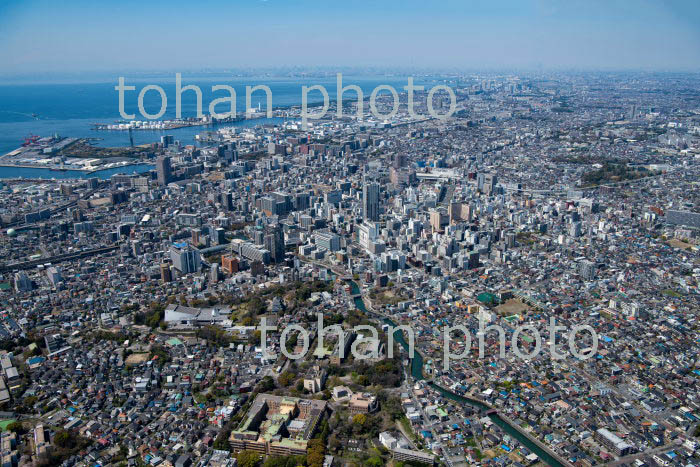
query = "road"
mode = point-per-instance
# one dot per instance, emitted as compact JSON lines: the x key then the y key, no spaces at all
{"x":57,"y":259}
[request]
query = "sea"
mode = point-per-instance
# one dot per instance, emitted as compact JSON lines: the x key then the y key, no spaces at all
{"x":71,"y":109}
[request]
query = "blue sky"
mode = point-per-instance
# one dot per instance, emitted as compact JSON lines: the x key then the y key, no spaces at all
{"x":53,"y":36}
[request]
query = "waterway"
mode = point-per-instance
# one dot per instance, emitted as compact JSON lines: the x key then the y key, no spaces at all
{"x":417,"y":373}
{"x":31,"y":173}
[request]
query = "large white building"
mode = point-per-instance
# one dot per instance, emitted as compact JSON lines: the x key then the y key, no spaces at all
{"x":367,"y":233}
{"x":185,"y":259}
{"x":328,"y":240}
{"x":188,"y":316}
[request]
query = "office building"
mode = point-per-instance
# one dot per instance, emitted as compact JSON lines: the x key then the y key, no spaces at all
{"x":22,"y":282}
{"x":185,"y":259}
{"x":301,"y":201}
{"x":165,"y":274}
{"x":227,"y":201}
{"x":367,"y":233}
{"x":196,"y":236}
{"x":490,"y":184}
{"x":370,"y":201}
{"x":54,"y":275}
{"x":163,"y":170}
{"x":273,"y":242}
{"x":250,"y":251}
{"x":587,"y":270}
{"x":328,"y":240}
{"x":229,"y":264}
{"x":438,"y":219}
{"x":473,"y":261}
{"x":219,"y":236}
{"x":214,"y":273}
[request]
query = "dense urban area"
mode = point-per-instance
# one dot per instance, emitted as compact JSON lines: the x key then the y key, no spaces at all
{"x":132,"y":307}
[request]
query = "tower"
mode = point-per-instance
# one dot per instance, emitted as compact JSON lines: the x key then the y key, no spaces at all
{"x":165,"y":274}
{"x":164,"y":171}
{"x":370,"y":201}
{"x":274,"y":243}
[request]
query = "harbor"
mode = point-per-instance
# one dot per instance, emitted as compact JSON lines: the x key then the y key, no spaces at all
{"x":62,"y":154}
{"x":42,"y":173}
{"x":165,"y":125}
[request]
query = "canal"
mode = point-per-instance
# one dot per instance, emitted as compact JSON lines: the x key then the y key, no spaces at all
{"x":417,"y":373}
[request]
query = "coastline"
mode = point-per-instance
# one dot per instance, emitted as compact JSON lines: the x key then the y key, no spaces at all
{"x":71,"y":169}
{"x":43,"y":173}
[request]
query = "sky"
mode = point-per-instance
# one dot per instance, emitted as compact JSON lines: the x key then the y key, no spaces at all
{"x":92,"y":36}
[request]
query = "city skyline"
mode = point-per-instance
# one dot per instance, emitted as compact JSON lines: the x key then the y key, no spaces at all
{"x":271,"y":233}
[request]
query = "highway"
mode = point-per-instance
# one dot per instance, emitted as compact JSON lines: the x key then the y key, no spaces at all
{"x":57,"y":259}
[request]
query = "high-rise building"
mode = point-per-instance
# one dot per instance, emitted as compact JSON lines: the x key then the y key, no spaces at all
{"x":54,"y":275}
{"x":333,"y":197}
{"x":220,"y":236}
{"x":92,"y":183}
{"x":587,"y":270}
{"x":229,"y":264}
{"x":455,"y":212}
{"x":136,"y":248}
{"x":473,"y":261}
{"x":257,"y":268}
{"x":370,"y":201}
{"x":276,"y":203}
{"x":185,"y":259}
{"x":22,"y":282}
{"x":274,"y":243}
{"x":328,"y":240}
{"x":367,"y":234}
{"x":490,"y":181}
{"x":509,"y":239}
{"x":164,"y":170}
{"x":402,"y":177}
{"x":437,"y":219}
{"x":250,"y":251}
{"x":301,"y":201}
{"x":167,"y":140}
{"x":480,"y":177}
{"x":196,"y":236}
{"x":575,"y":229}
{"x":165,"y":274}
{"x":227,"y":201}
{"x":214,"y":273}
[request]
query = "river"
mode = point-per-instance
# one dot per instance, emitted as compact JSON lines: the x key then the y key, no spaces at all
{"x":417,"y":373}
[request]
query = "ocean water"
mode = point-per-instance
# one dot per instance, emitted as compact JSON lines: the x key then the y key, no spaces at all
{"x":25,"y":172}
{"x":71,"y":109}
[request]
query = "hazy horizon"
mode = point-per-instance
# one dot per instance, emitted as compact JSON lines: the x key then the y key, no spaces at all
{"x":618,"y":35}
